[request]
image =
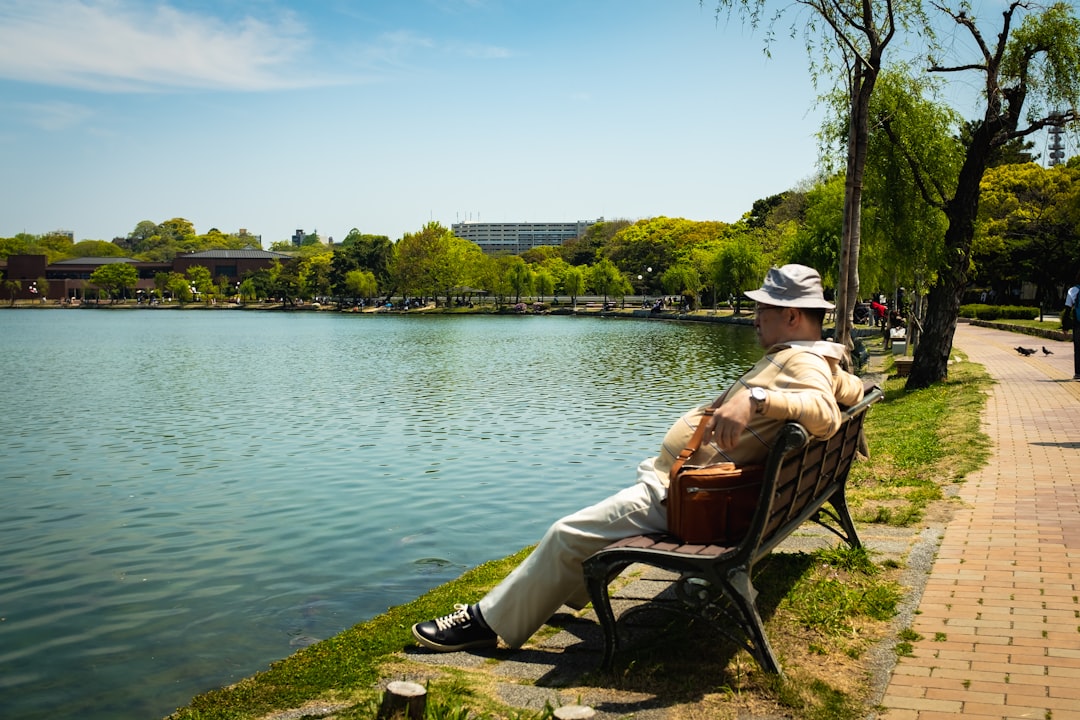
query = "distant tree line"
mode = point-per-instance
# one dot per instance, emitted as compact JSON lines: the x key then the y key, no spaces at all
{"x":1027,"y":229}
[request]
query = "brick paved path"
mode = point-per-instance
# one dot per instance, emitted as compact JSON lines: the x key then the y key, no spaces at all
{"x":1000,"y":615}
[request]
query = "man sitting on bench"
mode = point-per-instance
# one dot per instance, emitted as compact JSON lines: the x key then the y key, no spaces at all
{"x":799,"y":378}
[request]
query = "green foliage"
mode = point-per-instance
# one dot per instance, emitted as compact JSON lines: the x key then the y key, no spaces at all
{"x":162,"y":242}
{"x":360,"y":284}
{"x":998,"y":312}
{"x":903,"y":223}
{"x":574,"y":282}
{"x":115,"y":278}
{"x":737,"y":266}
{"x":370,"y":253}
{"x":1024,"y":76}
{"x":11,"y":289}
{"x":584,"y":250}
{"x":605,"y":279}
{"x":96,"y":248}
{"x":543,"y":283}
{"x":54,"y":247}
{"x":816,"y":242}
{"x":520,"y":278}
{"x":201,"y":280}
{"x":1027,"y":225}
{"x":659,"y":243}
{"x":682,"y":279}
{"x":314,"y":273}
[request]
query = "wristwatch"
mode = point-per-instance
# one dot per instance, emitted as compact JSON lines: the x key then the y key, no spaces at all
{"x":760,"y":397}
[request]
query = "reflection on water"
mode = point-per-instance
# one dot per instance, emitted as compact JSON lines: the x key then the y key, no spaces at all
{"x":191,"y":495}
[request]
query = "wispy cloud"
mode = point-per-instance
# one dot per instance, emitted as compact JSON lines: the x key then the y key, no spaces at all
{"x":56,"y":115}
{"x":120,"y":46}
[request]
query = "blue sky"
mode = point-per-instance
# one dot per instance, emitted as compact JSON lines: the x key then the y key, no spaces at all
{"x":274,"y":115}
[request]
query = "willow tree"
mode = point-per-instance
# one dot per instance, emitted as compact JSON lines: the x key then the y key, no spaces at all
{"x":846,"y":40}
{"x":904,"y":234}
{"x":1038,"y":61}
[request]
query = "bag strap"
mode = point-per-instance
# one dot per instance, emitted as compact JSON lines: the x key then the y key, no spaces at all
{"x":694,"y":443}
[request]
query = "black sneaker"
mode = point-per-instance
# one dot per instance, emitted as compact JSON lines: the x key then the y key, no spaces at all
{"x":462,"y":629}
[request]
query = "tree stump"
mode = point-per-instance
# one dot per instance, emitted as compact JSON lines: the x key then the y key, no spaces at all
{"x":403,"y":700}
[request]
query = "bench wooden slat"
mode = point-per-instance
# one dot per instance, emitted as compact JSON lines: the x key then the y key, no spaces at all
{"x":802,"y":477}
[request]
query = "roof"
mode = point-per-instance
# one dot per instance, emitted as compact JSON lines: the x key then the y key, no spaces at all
{"x":94,"y":261}
{"x":246,"y":254}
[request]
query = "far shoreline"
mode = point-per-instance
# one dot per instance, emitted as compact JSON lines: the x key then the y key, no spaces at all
{"x":584,"y":309}
{"x":725,"y":316}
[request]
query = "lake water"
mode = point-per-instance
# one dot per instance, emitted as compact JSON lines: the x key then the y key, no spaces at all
{"x":190,"y":495}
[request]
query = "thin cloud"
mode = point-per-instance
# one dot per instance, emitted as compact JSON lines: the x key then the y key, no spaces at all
{"x":56,"y":115}
{"x":117,"y":46}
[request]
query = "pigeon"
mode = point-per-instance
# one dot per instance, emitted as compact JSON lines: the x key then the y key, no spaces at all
{"x":1047,"y":352}
{"x":1026,"y":352}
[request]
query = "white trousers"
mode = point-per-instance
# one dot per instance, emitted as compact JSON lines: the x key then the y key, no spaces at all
{"x":551,"y":576}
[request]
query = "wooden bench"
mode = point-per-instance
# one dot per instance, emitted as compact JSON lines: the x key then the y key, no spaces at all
{"x":805,"y":479}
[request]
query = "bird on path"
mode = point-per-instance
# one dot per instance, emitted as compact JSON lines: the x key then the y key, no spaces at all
{"x":1026,"y":352}
{"x":1047,"y":352}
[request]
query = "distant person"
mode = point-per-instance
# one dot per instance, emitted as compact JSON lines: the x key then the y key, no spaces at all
{"x":799,"y":378}
{"x":1072,"y":300}
{"x":880,"y":312}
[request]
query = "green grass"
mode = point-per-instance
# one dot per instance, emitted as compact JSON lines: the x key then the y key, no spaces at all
{"x":1050,"y":321}
{"x":920,"y":442}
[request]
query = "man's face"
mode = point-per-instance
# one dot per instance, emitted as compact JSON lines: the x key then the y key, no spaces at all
{"x":772,"y":323}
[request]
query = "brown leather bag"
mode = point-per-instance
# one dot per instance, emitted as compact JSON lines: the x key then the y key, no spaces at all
{"x":711,"y":504}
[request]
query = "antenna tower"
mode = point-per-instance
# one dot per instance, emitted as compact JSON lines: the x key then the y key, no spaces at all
{"x":1055,"y":145}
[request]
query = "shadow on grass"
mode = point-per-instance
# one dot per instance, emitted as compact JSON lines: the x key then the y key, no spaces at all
{"x":666,"y":653}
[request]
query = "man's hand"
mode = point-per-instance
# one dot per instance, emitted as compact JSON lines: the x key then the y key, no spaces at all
{"x":730,"y":419}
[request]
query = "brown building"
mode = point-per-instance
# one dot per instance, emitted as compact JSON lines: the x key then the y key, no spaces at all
{"x":68,"y":279}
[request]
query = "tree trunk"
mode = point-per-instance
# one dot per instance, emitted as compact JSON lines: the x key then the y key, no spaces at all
{"x":864,"y":77}
{"x":931,"y":362}
{"x":403,"y":701}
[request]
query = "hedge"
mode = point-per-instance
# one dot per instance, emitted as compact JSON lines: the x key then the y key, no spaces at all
{"x":980,"y":311}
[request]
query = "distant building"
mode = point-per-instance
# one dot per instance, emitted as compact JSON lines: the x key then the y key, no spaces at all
{"x":231,"y":264}
{"x":70,"y":278}
{"x":300,"y":237}
{"x":515,"y":238}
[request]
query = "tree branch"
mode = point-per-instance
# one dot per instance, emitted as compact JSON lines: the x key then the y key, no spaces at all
{"x":921,"y":179}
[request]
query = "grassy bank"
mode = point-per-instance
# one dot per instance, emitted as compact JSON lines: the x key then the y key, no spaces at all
{"x":826,"y":611}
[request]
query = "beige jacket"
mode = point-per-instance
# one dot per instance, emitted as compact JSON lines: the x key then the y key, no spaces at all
{"x":805,"y":383}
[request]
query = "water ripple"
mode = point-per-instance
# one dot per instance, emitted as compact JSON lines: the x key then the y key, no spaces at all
{"x":190,"y":496}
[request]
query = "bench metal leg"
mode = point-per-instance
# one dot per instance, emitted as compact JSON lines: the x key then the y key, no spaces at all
{"x":597,"y":577}
{"x":742,"y":594}
{"x":842,"y":517}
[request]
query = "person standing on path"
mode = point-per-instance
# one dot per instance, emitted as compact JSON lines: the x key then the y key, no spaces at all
{"x":1071,"y":299}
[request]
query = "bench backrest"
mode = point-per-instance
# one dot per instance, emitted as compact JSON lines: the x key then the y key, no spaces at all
{"x":801,"y":475}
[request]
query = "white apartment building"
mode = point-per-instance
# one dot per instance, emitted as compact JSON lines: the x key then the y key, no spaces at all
{"x":516,"y":238}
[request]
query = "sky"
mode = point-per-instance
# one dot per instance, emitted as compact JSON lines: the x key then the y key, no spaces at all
{"x":329,"y":115}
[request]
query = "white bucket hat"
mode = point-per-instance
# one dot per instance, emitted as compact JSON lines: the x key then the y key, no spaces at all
{"x":794,"y":286}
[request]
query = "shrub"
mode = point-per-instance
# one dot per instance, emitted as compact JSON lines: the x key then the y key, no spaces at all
{"x":981,"y":311}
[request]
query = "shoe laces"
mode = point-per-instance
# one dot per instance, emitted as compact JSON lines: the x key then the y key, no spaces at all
{"x":460,"y":616}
